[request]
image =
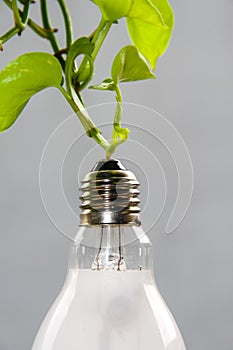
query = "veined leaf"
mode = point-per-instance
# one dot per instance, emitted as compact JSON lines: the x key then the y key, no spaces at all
{"x":113,"y":9}
{"x":21,"y":79}
{"x":150,"y":23}
{"x":129,"y":65}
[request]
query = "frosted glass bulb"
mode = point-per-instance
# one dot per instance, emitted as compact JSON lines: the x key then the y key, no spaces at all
{"x":109,"y":300}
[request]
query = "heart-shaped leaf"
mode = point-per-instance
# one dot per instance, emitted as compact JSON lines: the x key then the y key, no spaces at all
{"x":113,"y":9}
{"x":21,"y":79}
{"x":129,"y":65}
{"x":150,"y":23}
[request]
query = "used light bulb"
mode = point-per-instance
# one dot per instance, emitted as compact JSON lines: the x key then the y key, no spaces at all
{"x":109,"y":300}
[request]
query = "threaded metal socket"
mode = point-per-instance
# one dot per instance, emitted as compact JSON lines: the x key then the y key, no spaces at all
{"x":109,"y":195}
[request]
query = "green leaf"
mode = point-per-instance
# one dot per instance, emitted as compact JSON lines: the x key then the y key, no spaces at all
{"x":129,"y":65}
{"x":21,"y":79}
{"x":107,"y":84}
{"x":113,"y":9}
{"x":150,"y":24}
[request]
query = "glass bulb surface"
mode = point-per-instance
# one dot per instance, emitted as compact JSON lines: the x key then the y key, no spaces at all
{"x":109,"y":300}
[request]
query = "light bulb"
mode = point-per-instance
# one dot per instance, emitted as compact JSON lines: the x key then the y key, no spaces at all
{"x":109,"y":300}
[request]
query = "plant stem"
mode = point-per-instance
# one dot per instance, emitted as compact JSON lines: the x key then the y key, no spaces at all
{"x":17,"y":17}
{"x":25,"y":13}
{"x":67,"y":20}
{"x":118,"y":113}
{"x":34,"y":26}
{"x":89,"y":126}
{"x":99,"y":36}
{"x":86,"y":80}
{"x":97,"y":39}
{"x":119,"y":135}
{"x":8,"y":35}
{"x":42,"y":32}
{"x":47,"y":26}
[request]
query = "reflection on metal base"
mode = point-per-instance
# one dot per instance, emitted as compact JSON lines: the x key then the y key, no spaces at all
{"x":109,"y":195}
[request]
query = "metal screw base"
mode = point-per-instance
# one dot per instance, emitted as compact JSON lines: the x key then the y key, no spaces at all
{"x":109,"y":195}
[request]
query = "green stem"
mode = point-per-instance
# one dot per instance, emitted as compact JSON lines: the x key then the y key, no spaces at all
{"x":17,"y":17}
{"x":67,"y":20}
{"x":47,"y":26}
{"x":8,"y":35}
{"x":99,"y":36}
{"x":34,"y":26}
{"x":118,"y":113}
{"x":86,"y":80}
{"x":112,"y":147}
{"x":43,"y":33}
{"x":25,"y":13}
{"x":97,"y":39}
{"x":87,"y":123}
{"x":119,"y":135}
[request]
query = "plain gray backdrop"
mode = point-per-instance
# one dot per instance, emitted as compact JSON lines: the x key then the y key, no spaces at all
{"x":193,"y":90}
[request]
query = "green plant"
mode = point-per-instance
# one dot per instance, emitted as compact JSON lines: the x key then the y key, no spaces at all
{"x":149,"y":22}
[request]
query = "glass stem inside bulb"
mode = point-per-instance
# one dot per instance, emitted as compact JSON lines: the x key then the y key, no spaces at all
{"x":109,"y":255}
{"x":120,"y":256}
{"x":100,"y":247}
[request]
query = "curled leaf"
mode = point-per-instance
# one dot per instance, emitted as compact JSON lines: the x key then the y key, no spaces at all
{"x":21,"y":79}
{"x":129,"y":65}
{"x":81,"y":46}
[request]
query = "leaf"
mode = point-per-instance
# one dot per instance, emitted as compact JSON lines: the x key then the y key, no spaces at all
{"x":129,"y":65}
{"x":150,"y":24}
{"x":21,"y":79}
{"x":113,"y":9}
{"x":107,"y":84}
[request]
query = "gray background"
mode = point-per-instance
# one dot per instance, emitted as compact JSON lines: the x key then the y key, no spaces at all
{"x":194,"y":265}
